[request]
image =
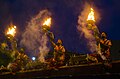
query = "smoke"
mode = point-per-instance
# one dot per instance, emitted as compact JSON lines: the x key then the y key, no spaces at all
{"x":34,"y":39}
{"x":43,"y":48}
{"x":84,"y":31}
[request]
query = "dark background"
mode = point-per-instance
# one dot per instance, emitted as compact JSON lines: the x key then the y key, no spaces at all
{"x":65,"y":15}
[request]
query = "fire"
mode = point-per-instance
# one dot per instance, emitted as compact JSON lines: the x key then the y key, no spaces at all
{"x":12,"y":31}
{"x":91,"y":15}
{"x":47,"y":22}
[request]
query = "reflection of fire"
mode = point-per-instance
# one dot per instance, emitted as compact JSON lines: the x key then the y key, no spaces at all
{"x":12,"y":31}
{"x":91,"y":15}
{"x":47,"y":22}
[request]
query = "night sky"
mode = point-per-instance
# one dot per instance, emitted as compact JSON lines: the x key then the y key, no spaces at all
{"x":64,"y":18}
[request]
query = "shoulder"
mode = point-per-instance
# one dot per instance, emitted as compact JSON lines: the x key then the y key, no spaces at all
{"x":109,"y":42}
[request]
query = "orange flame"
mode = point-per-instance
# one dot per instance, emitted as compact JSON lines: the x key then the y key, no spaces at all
{"x":47,"y":22}
{"x":12,"y":31}
{"x":91,"y":15}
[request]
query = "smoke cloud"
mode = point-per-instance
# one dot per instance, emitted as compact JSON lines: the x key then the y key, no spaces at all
{"x":84,"y":31}
{"x":34,"y":39}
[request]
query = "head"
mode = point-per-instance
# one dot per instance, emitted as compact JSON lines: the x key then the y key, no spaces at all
{"x":103,"y":35}
{"x":59,"y":42}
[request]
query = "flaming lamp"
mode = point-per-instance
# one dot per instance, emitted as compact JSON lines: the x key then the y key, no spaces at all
{"x":11,"y":31}
{"x":91,"y":23}
{"x":10,"y":35}
{"x":91,"y":26}
{"x":47,"y":24}
{"x":91,"y":18}
{"x":46,"y":28}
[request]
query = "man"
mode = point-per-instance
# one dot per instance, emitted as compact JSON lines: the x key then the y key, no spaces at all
{"x":105,"y":46}
{"x":59,"y":52}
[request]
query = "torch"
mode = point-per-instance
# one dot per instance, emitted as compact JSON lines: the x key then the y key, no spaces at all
{"x":46,"y":28}
{"x":11,"y":31}
{"x":91,"y":26}
{"x":91,"y":17}
{"x":47,"y":24}
{"x":10,"y":35}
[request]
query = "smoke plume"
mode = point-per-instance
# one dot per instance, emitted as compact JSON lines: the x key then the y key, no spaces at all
{"x":84,"y":31}
{"x":34,"y":39}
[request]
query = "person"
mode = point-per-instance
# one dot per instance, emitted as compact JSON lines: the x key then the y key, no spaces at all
{"x":103,"y":53}
{"x":59,"y":52}
{"x":105,"y":46}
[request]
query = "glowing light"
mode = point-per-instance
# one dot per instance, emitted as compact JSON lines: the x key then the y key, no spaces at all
{"x":47,"y":22}
{"x":12,"y":31}
{"x":91,"y":15}
{"x":33,"y":58}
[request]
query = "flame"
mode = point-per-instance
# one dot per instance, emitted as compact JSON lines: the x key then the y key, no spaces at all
{"x":91,"y":15}
{"x":12,"y":31}
{"x":47,"y":22}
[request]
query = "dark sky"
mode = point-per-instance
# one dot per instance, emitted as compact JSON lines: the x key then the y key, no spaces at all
{"x":65,"y":15}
